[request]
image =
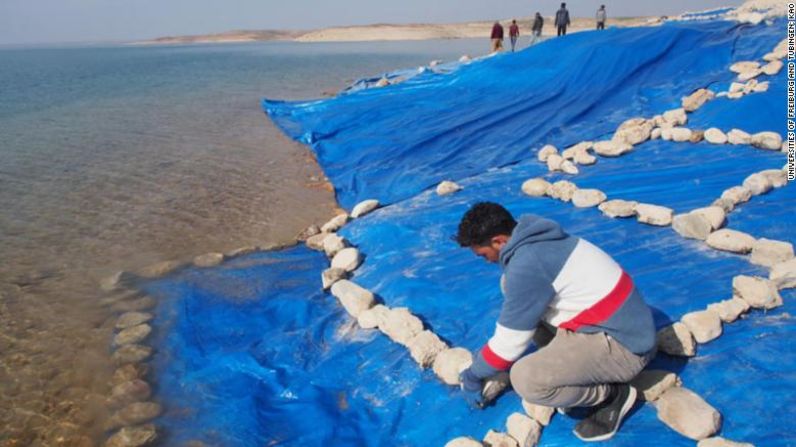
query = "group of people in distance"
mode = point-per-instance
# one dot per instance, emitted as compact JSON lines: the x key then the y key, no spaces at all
{"x":561,"y":22}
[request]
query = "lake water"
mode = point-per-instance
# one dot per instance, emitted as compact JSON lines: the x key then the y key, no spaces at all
{"x":112,"y":158}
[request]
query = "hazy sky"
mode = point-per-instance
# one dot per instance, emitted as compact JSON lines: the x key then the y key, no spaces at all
{"x":50,"y":21}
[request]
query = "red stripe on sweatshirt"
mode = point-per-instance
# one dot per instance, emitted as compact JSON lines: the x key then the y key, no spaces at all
{"x":495,"y":360}
{"x":603,"y":309}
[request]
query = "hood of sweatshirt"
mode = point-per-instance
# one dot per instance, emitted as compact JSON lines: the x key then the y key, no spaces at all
{"x":530,"y":229}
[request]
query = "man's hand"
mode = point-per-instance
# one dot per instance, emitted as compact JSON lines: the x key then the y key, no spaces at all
{"x":471,"y":389}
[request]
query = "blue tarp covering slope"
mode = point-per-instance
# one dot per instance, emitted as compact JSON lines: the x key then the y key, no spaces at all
{"x":253,"y":353}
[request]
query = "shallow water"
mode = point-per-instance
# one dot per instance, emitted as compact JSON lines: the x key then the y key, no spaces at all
{"x":112,"y":158}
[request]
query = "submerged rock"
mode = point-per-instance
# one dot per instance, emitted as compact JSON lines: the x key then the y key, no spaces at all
{"x":538,"y":413}
{"x":335,"y":223}
{"x":731,"y":240}
{"x":373,"y":317}
{"x":770,"y":253}
{"x":135,"y":305}
{"x":133,"y":437}
{"x":131,"y":354}
{"x":125,"y":393}
{"x":128,"y":372}
{"x":676,"y":340}
{"x":130,"y":319}
{"x":715,"y":136}
{"x":496,"y":439}
{"x":654,"y":214}
{"x":132,"y":335}
{"x":450,"y":363}
{"x":760,"y":293}
{"x":705,"y":325}
{"x":697,"y":99}
{"x":424,"y":348}
{"x":618,"y":208}
{"x":364,"y":207}
{"x":135,"y":413}
{"x":352,"y":296}
{"x":401,"y":326}
{"x":652,"y":383}
{"x":447,"y":187}
{"x":535,"y":187}
{"x":587,"y":198}
{"x":523,"y":429}
{"x":159,"y":269}
{"x":729,"y":310}
{"x":784,"y":274}
{"x":208,"y":260}
{"x":687,"y":413}
{"x":347,"y":259}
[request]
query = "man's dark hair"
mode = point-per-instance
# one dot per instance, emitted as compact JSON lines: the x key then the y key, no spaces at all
{"x":482,"y":222}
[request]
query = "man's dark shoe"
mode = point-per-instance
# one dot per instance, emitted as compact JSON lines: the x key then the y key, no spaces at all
{"x":605,"y":422}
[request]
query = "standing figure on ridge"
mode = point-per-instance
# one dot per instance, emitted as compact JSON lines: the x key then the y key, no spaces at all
{"x":514,"y":33}
{"x":536,"y":29}
{"x":497,"y":37}
{"x":592,"y":329}
{"x":562,"y":20}
{"x":601,"y":16}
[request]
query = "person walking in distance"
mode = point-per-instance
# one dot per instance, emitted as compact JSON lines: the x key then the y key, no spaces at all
{"x":497,"y":37}
{"x":536,"y":29}
{"x":514,"y":33}
{"x":601,"y":16}
{"x":562,"y":20}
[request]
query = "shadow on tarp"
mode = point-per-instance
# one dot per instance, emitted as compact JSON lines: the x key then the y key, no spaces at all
{"x":253,"y":353}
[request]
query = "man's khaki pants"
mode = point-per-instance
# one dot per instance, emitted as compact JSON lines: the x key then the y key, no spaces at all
{"x":572,"y":369}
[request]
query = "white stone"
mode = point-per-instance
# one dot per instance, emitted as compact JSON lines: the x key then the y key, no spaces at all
{"x":569,"y":168}
{"x":373,"y":317}
{"x":464,"y":441}
{"x":737,"y":136}
{"x":715,"y":136}
{"x":750,"y":86}
{"x":760,"y":293}
{"x":735,"y":95}
{"x":562,"y":190}
{"x":633,"y":131}
{"x":692,"y":225}
{"x":651,"y":383}
{"x":450,"y":363}
{"x":721,"y":442}
{"x":401,"y":326}
{"x":545,"y":152}
{"x":731,"y":240}
{"x":554,"y":162}
{"x":654,"y":214}
{"x":315,"y":242}
{"x":465,"y":58}
{"x":571,"y":152}
{"x":332,"y":244}
{"x":383,"y":82}
{"x":585,"y":158}
{"x":523,"y":429}
{"x":331,"y":276}
{"x":769,"y":253}
{"x":364,"y":207}
{"x":697,"y":99}
{"x":424,"y":348}
{"x":335,"y":223}
{"x":725,"y":204}
{"x":752,"y":18}
{"x":777,"y":177}
{"x":208,"y":260}
{"x":729,"y":310}
{"x":535,"y":187}
{"x":737,"y":194}
{"x":666,"y":133}
{"x":740,"y":67}
{"x":538,"y":413}
{"x":757,"y":184}
{"x":347,"y":259}
{"x":784,"y":274}
{"x":681,"y":134}
{"x":587,"y":198}
{"x":767,"y":140}
{"x":675,"y":117}
{"x":736,"y":87}
{"x":772,"y":67}
{"x":495,"y":385}
{"x":747,"y":75}
{"x":656,"y":133}
{"x":714,"y":214}
{"x":761,"y":87}
{"x":495,"y":439}
{"x":447,"y":187}
{"x":611,"y":148}
{"x":677,"y":340}
{"x":619,"y":208}
{"x":687,"y":413}
{"x":705,"y":325}
{"x":353,"y":297}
